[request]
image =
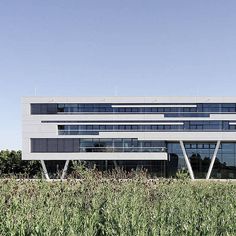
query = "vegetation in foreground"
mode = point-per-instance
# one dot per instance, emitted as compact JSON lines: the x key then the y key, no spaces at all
{"x":98,"y":206}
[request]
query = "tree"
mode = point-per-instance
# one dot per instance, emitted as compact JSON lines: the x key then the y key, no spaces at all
{"x":12,"y":164}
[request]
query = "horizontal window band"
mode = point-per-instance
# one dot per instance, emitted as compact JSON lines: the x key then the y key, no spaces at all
{"x":93,"y":145}
{"x":136,"y":122}
{"x":119,"y":122}
{"x":137,"y":112}
{"x":126,"y":123}
{"x":159,"y":105}
{"x":169,"y":113}
{"x":132,"y":108}
{"x":185,"y":126}
{"x":192,"y":122}
{"x":146,"y":131}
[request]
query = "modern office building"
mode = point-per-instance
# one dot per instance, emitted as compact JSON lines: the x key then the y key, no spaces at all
{"x":161,"y":134}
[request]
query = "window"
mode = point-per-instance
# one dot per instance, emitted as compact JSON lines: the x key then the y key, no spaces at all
{"x":200,"y":146}
{"x":52,"y":145}
{"x":128,"y":127}
{"x":43,"y":108}
{"x":38,"y":145}
{"x":35,"y":109}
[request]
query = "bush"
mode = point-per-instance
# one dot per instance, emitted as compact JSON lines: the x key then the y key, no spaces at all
{"x":11,"y":164}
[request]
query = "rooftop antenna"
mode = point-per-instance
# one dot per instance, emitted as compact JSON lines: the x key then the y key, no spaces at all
{"x":35,"y":91}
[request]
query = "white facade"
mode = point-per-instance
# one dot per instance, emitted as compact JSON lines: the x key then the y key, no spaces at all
{"x":37,"y":126}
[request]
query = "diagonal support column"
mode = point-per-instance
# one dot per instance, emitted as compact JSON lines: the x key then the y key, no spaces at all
{"x":213,"y":159}
{"x":65,"y":169}
{"x":45,"y":170}
{"x":190,"y":170}
{"x":115,"y":164}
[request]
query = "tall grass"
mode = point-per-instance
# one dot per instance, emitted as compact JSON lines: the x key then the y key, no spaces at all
{"x":97,"y":206}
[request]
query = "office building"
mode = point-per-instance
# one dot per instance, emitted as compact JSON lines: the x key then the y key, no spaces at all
{"x":161,"y":134}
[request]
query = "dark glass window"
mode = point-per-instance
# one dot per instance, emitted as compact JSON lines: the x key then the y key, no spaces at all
{"x":39,"y":145}
{"x":52,"y":145}
{"x":202,"y":110}
{"x":51,"y":108}
{"x":200,"y":146}
{"x":201,"y":126}
{"x":35,"y":109}
{"x":68,"y":145}
{"x":60,"y":145}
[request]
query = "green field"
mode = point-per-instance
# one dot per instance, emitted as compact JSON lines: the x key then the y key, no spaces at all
{"x":98,"y":206}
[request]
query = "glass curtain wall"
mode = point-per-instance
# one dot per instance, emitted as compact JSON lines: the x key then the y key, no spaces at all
{"x":225,"y":163}
{"x":200,"y":155}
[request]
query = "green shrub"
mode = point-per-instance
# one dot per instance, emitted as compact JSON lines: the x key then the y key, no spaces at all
{"x":11,"y":164}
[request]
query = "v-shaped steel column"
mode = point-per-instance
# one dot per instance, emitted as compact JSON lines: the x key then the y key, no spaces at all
{"x":65,"y":169}
{"x":46,"y":172}
{"x":190,"y":170}
{"x":213,"y":159}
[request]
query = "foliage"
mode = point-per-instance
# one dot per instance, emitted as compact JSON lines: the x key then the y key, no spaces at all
{"x":182,"y":175}
{"x":98,"y":206}
{"x":12,"y":164}
{"x":111,"y":203}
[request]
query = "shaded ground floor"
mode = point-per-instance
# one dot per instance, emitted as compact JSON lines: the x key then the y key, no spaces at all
{"x":204,"y":158}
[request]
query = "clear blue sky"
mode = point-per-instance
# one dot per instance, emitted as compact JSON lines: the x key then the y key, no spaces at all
{"x":113,"y":47}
